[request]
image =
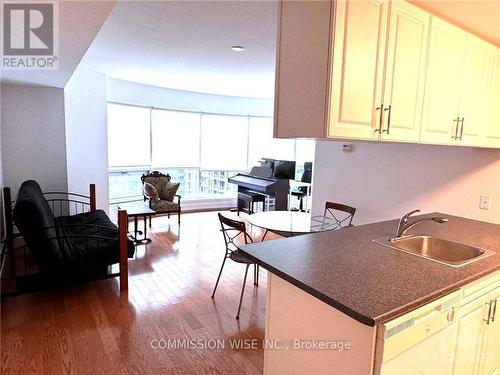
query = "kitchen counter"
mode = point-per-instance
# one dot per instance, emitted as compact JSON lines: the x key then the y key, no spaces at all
{"x":370,"y":282}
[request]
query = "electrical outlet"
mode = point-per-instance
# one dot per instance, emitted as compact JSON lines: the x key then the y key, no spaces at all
{"x":347,"y":147}
{"x":484,"y":202}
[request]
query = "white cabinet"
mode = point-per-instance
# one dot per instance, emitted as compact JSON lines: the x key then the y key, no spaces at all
{"x":378,"y":71}
{"x":357,"y":72}
{"x":490,"y":361}
{"x":405,"y":72}
{"x":382,"y":70}
{"x":492,"y":106}
{"x":444,"y":71}
{"x":474,"y":92}
{"x":456,"y":335}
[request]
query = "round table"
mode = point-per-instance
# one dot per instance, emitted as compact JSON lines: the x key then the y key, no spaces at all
{"x":291,"y":223}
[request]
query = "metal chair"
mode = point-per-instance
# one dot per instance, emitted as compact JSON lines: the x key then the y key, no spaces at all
{"x":341,"y":213}
{"x":231,"y":229}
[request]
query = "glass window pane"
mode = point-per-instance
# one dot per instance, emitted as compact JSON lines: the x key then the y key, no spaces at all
{"x":189,"y":179}
{"x":176,"y":139}
{"x":125,"y":186}
{"x":128,"y":135}
{"x":224,"y":141}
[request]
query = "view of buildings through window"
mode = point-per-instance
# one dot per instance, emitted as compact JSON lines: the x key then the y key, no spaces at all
{"x":201,"y":151}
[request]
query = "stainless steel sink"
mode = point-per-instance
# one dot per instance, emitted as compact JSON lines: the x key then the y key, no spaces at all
{"x":451,"y":253}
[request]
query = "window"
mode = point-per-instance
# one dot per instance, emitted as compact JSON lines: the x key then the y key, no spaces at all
{"x":128,"y":136}
{"x":175,"y":138}
{"x":201,"y":151}
{"x":224,"y":142}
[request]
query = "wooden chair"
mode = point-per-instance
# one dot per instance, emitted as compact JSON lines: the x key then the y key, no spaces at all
{"x":341,"y":213}
{"x":153,"y":184}
{"x":232,"y":229}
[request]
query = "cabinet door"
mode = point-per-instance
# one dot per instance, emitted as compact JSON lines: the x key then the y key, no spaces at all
{"x":474,"y":93}
{"x":490,"y":359}
{"x":357,"y":72}
{"x":492,"y":125}
{"x":443,"y":82}
{"x":470,"y":336}
{"x":405,"y":71}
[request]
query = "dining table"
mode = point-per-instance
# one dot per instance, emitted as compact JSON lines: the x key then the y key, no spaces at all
{"x":291,"y":223}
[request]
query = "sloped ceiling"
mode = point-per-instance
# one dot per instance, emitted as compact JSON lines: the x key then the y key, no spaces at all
{"x":79,"y":23}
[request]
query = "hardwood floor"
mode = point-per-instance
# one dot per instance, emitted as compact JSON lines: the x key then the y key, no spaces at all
{"x":91,"y":329}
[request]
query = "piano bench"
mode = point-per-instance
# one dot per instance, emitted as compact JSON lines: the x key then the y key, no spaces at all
{"x":246,"y":201}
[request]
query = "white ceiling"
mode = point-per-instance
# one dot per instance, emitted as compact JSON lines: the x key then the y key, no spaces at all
{"x":187,"y":45}
{"x":79,"y":22}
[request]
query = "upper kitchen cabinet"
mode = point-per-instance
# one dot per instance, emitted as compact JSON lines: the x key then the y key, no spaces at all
{"x":357,"y":69}
{"x":474,"y":92}
{"x":379,"y":58}
{"x":405,"y":72}
{"x":382,"y":70}
{"x":491,"y":133}
{"x":302,"y":63}
{"x":457,"y":87}
{"x":442,"y":90}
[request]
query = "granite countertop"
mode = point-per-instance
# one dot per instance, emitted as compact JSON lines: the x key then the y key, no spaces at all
{"x":373,"y":283}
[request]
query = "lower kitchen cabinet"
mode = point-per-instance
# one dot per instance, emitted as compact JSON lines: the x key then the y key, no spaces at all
{"x":457,"y":335}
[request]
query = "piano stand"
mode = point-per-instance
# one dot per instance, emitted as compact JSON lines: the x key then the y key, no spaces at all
{"x":247,"y":199}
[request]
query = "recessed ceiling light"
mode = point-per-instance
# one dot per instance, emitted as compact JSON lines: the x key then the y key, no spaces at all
{"x":238,"y":48}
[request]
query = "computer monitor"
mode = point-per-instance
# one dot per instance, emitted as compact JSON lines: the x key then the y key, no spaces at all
{"x":284,"y":169}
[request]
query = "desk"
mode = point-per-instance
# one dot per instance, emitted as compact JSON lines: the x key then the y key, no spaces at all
{"x":136,"y":211}
{"x":291,"y":223}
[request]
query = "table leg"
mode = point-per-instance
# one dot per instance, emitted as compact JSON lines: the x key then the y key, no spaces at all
{"x":145,"y":227}
{"x":135,"y":228}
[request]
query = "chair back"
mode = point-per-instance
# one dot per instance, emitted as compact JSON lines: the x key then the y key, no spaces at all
{"x":307,"y":174}
{"x":341,"y":213}
{"x":232,"y":229}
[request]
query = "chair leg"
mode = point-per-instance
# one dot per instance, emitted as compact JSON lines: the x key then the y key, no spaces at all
{"x":255,"y":274}
{"x":218,"y":278}
{"x":179,"y":218}
{"x":242,"y":290}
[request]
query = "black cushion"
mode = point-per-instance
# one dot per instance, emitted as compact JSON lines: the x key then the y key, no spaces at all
{"x":35,"y":221}
{"x":77,"y":240}
{"x":89,"y":238}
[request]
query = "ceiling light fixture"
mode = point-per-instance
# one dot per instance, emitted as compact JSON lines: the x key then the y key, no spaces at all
{"x":238,"y":48}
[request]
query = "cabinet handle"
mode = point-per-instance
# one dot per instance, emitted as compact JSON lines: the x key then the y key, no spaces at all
{"x":457,"y":120}
{"x":490,"y":305}
{"x":494,"y":312}
{"x":461,"y":128}
{"x":388,"y":119}
{"x":381,"y":118}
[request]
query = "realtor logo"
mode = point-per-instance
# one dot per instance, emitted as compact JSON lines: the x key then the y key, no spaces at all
{"x":29,"y":36}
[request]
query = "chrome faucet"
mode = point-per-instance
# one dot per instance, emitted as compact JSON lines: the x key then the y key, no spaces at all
{"x":405,"y":223}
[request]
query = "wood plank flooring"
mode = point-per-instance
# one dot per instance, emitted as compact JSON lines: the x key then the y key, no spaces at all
{"x":91,"y":329}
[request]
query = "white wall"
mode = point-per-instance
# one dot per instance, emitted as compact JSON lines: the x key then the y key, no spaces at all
{"x":33,"y":138}
{"x":383,"y":181}
{"x":151,"y":96}
{"x":86,"y":134}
